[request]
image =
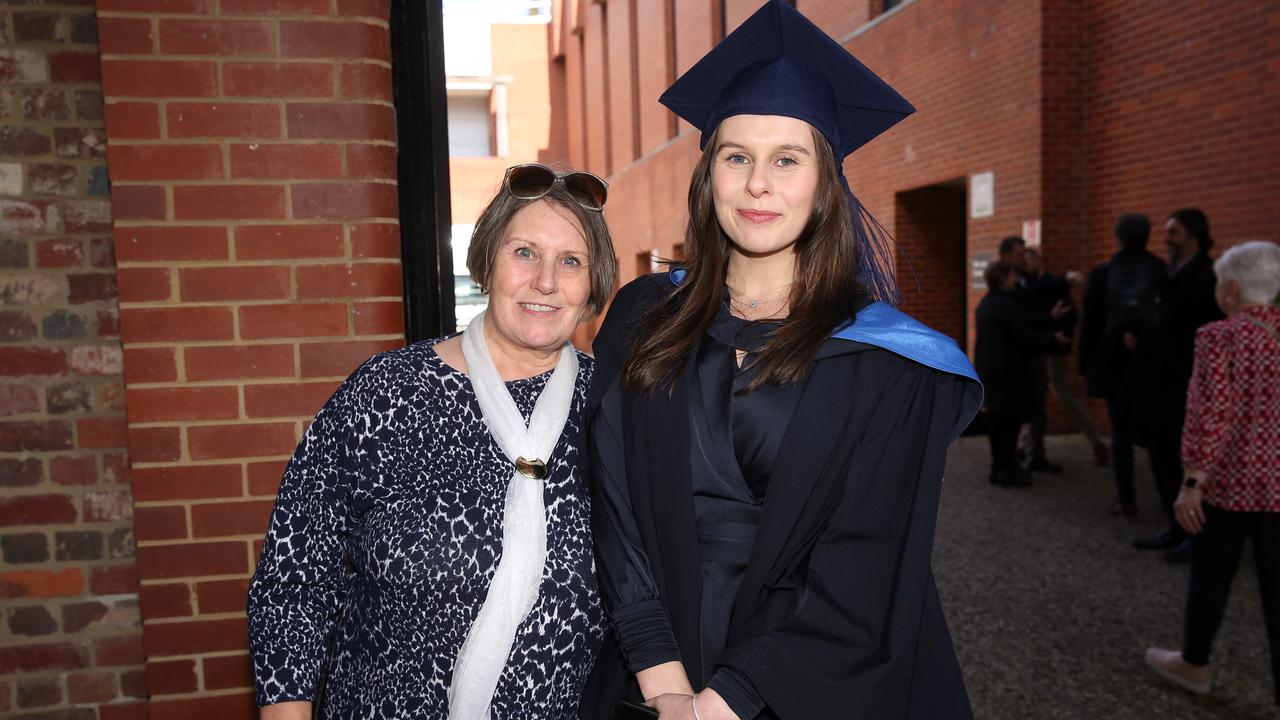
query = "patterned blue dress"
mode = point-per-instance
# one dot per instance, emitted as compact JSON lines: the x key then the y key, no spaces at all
{"x":383,"y":541}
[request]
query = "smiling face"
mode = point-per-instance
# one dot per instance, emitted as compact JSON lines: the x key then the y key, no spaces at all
{"x":540,"y":282}
{"x":764,"y":178}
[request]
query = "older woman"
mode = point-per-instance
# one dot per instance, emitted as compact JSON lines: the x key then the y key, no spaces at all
{"x":429,"y":555}
{"x":1231,"y":451}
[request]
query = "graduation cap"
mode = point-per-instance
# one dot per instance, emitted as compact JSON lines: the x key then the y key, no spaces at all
{"x":780,"y":63}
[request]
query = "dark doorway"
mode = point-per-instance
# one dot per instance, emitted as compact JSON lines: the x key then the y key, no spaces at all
{"x":930,"y":229}
{"x":417,"y":50}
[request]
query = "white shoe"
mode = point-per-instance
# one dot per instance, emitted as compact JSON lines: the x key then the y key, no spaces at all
{"x":1169,"y":665}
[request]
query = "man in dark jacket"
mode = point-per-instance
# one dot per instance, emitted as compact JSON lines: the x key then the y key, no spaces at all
{"x":1188,"y":303}
{"x":1049,"y":298}
{"x":1005,"y":353}
{"x":1118,"y":347}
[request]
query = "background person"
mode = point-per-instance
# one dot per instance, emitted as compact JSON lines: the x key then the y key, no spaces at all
{"x":425,"y":549}
{"x":1231,"y":451}
{"x":745,"y":376}
{"x":1006,"y":350}
{"x":1186,"y":305}
{"x":1121,"y":313}
{"x":1049,"y":297}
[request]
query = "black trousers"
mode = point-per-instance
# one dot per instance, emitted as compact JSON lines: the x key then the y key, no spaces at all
{"x":1002,"y":431}
{"x":1215,"y":556}
{"x":1120,"y":412}
{"x":1164,"y":445}
{"x":1039,"y":408}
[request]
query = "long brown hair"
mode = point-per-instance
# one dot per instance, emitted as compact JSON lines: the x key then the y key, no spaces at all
{"x":825,"y":292}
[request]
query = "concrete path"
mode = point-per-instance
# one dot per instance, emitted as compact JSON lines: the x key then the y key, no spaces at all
{"x":1051,"y":607}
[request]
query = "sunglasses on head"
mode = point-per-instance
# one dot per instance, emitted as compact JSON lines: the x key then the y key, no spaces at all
{"x":531,"y":181}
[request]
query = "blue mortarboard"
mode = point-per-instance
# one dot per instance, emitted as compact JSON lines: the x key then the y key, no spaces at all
{"x":779,"y":63}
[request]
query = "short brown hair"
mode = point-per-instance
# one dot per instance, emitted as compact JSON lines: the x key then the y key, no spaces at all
{"x":996,"y":272}
{"x":602,"y":264}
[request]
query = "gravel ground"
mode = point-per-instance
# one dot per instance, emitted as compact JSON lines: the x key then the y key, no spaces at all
{"x":1051,"y":608}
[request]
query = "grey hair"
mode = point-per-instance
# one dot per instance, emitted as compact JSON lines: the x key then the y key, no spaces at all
{"x":1255,"y":266}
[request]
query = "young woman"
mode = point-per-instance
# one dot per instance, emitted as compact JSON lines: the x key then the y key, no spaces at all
{"x":766,"y":440}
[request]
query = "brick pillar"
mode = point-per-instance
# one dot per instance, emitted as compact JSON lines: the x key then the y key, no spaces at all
{"x":251,"y":146}
{"x":69,"y":635}
{"x":1064,"y":182}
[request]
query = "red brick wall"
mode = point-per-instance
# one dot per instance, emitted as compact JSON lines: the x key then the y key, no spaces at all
{"x":973,"y":73}
{"x":251,"y":146}
{"x":1184,"y":109}
{"x":1081,"y":111}
{"x":70,"y":638}
{"x":654,"y":73}
{"x":623,"y":136}
{"x":595,"y":87}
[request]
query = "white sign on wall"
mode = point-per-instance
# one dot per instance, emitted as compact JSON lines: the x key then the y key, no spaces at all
{"x":982,"y":195}
{"x":978,"y":263}
{"x":1031,"y":233}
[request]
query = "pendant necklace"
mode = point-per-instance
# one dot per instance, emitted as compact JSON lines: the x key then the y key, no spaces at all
{"x":750,"y":306}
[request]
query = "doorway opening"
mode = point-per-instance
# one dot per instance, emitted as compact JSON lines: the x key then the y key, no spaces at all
{"x":932,"y":235}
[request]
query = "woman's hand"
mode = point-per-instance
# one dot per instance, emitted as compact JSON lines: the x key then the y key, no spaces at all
{"x":713,"y":707}
{"x":675,"y":706}
{"x":1188,"y":509}
{"x":668,"y":678}
{"x":672,"y":706}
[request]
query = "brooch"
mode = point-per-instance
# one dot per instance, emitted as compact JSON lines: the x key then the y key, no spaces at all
{"x":535,"y":468}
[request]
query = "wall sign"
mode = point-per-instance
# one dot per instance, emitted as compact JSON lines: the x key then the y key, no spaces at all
{"x":982,"y":195}
{"x":1031,"y":233}
{"x":978,"y":263}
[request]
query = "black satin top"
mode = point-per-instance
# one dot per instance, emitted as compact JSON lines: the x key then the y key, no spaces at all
{"x":734,"y":441}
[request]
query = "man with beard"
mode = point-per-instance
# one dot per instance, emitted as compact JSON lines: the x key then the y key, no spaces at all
{"x":1188,"y":303}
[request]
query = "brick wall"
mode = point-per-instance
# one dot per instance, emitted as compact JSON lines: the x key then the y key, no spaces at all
{"x":1081,"y":111}
{"x":973,"y":73}
{"x":1183,"y":109}
{"x":70,"y":638}
{"x":251,"y":146}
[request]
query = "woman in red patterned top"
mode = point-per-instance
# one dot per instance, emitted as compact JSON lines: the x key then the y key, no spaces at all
{"x":1231,"y":452}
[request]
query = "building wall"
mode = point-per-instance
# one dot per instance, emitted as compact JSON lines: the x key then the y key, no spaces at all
{"x":1184,"y":109}
{"x":1081,"y":110}
{"x":70,"y":636}
{"x":973,"y":72}
{"x":537,"y":123}
{"x":251,"y":148}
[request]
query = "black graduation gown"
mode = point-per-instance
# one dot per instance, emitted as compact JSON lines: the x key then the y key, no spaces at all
{"x":837,"y":614}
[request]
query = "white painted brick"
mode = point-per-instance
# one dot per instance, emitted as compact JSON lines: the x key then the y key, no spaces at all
{"x":24,"y":66}
{"x":11,"y":179}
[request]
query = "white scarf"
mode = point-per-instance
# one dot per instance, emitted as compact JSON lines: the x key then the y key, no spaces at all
{"x":514,"y":587}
